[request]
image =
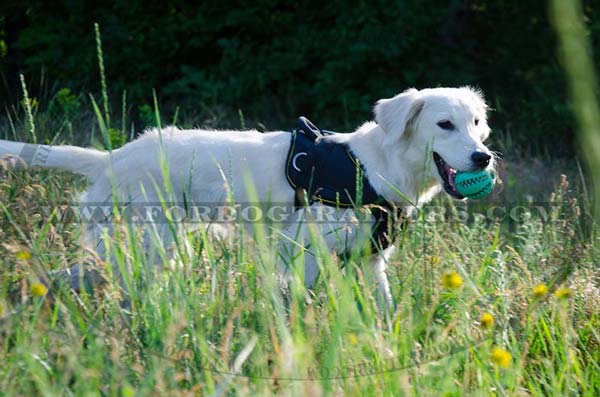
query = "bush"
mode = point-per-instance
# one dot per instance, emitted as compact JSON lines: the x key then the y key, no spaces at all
{"x":327,"y":60}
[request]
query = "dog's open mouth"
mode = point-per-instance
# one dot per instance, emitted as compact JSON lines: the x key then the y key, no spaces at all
{"x":448,"y":174}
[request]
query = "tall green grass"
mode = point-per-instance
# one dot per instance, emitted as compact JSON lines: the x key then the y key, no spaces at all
{"x":214,"y":321}
{"x":576,"y":54}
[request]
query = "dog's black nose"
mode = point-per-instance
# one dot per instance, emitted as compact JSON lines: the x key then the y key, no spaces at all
{"x":481,"y":159}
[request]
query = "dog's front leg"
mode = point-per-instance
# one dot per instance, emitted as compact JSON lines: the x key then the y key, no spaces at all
{"x":324,"y":226}
{"x":379,"y":263}
{"x":314,"y":231}
{"x":298,"y":249}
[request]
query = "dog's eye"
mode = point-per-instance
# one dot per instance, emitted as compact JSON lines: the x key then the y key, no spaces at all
{"x":476,"y":121}
{"x":446,"y":125}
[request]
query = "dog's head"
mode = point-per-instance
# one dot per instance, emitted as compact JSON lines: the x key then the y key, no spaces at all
{"x":445,"y":125}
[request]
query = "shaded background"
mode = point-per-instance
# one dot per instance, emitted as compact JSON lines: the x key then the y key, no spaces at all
{"x":275,"y":60}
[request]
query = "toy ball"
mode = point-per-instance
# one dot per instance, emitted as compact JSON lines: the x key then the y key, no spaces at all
{"x":474,"y":184}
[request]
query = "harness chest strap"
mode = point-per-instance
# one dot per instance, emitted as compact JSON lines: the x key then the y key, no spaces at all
{"x":324,"y":170}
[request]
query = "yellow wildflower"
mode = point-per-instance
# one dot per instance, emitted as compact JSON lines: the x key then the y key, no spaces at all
{"x":38,"y":289}
{"x":23,"y":255}
{"x":540,"y":290}
{"x":500,"y":357}
{"x":563,"y":293}
{"x":451,"y":280}
{"x":353,"y":339}
{"x":486,"y":320}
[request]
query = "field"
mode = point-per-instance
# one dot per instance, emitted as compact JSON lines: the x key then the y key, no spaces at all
{"x":499,"y":297}
{"x":495,"y":297}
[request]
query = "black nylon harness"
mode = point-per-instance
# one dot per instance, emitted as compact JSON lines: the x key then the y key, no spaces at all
{"x":320,"y":169}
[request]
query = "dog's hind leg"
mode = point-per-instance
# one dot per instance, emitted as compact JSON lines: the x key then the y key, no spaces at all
{"x":78,"y":278}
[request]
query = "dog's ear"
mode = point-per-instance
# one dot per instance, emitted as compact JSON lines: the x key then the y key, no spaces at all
{"x":396,"y":115}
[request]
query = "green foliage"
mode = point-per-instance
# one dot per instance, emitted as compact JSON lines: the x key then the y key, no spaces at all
{"x":3,"y":46}
{"x":330,"y":61}
{"x":147,"y":115}
{"x":116,"y":137}
{"x":64,"y":102}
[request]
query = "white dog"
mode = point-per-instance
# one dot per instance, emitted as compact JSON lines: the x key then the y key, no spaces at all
{"x":412,"y":132}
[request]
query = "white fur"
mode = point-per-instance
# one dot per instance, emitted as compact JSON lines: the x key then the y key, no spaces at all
{"x":205,"y":165}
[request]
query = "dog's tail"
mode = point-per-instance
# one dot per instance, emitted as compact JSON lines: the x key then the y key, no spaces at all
{"x":88,"y":162}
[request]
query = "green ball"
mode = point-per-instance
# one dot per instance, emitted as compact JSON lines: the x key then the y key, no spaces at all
{"x":474,"y":184}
